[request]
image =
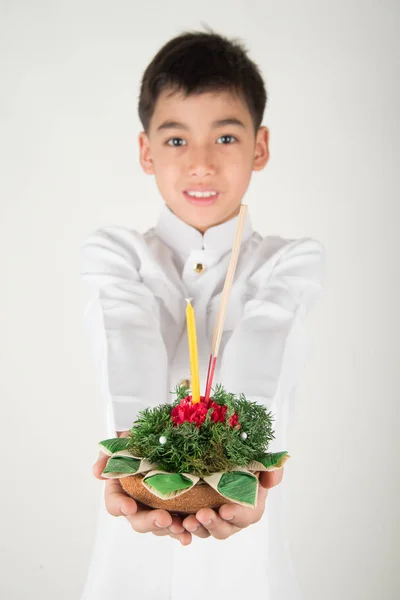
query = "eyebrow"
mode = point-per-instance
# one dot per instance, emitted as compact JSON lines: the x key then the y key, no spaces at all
{"x":214,"y":124}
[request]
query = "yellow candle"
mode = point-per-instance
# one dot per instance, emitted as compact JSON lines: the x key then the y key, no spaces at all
{"x":194,"y":358}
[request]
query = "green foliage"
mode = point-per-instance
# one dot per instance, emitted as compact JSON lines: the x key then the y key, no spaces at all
{"x":207,"y":449}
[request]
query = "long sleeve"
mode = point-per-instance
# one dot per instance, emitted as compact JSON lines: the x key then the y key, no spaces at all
{"x":269,"y":342}
{"x":123,"y":323}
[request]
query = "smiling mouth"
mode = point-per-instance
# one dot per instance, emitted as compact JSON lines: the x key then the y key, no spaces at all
{"x":201,"y":201}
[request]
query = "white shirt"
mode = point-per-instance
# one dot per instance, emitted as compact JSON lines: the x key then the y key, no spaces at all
{"x":136,"y":324}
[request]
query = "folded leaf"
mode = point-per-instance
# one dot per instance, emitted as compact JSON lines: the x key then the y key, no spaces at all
{"x":113,"y":445}
{"x":168,"y":485}
{"x":118,"y":465}
{"x":239,"y":486}
{"x":123,"y":464}
{"x":269,"y":462}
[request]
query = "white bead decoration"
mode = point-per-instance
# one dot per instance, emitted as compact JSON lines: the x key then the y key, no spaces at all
{"x":163,"y":439}
{"x":243,"y":435}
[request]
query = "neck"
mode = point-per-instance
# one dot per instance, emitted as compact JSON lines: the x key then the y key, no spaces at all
{"x":234,"y":213}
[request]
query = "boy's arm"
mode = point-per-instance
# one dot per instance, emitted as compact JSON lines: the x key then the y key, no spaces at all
{"x":267,"y":350}
{"x":122,"y":321}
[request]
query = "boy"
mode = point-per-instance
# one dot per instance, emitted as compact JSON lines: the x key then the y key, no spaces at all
{"x":201,"y":105}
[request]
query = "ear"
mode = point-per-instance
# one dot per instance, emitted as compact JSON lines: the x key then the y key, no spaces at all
{"x":261,"y":149}
{"x":145,"y":154}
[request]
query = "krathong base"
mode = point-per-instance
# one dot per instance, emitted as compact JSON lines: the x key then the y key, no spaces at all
{"x":199,"y":496}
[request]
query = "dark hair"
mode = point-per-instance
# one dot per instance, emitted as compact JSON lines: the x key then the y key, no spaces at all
{"x":196,"y":62}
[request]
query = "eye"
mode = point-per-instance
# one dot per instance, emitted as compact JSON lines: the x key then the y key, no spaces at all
{"x":224,"y":137}
{"x":174,"y":140}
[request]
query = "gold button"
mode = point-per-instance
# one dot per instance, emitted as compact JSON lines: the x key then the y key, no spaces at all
{"x":185,"y":383}
{"x":199,"y":268}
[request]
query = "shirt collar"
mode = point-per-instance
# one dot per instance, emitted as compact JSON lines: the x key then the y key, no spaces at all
{"x":184,"y":238}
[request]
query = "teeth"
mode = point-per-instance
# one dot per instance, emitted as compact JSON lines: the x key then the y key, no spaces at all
{"x":201,"y":194}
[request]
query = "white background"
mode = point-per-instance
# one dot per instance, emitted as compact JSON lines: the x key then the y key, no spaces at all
{"x":69,"y":85}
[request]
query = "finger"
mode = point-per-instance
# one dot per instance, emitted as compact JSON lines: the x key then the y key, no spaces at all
{"x":176,"y":526}
{"x":100,"y":465}
{"x":145,"y":521}
{"x":174,"y":529}
{"x":217,"y":527}
{"x":201,"y":532}
{"x":191,"y":524}
{"x":184,"y":538}
{"x":269,"y":479}
{"x":242,"y":516}
{"x":116,"y":501}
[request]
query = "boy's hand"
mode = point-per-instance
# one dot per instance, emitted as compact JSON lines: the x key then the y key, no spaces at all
{"x":158,"y":521}
{"x":231,"y":518}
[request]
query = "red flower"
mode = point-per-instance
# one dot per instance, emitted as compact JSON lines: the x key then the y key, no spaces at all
{"x":219,"y":412}
{"x":233,"y":421}
{"x":187,"y":412}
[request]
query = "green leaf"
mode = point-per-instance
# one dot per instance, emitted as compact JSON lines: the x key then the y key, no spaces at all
{"x":114,"y":445}
{"x":239,"y":486}
{"x":122,"y":464}
{"x":273,"y":459}
{"x":168,"y":482}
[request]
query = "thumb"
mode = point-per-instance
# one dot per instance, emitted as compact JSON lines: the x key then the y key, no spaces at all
{"x":117,"y":502}
{"x":100,"y":465}
{"x":269,"y":479}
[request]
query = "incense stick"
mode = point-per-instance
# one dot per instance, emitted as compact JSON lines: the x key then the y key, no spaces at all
{"x":219,"y":326}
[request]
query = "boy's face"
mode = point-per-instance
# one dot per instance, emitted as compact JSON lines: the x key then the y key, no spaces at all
{"x":188,"y":151}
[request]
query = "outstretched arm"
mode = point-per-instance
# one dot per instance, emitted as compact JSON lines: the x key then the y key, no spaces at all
{"x":263,"y":359}
{"x":266,"y":352}
{"x":123,"y":325}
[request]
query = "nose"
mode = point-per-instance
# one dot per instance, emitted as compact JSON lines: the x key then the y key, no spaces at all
{"x":201,"y":162}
